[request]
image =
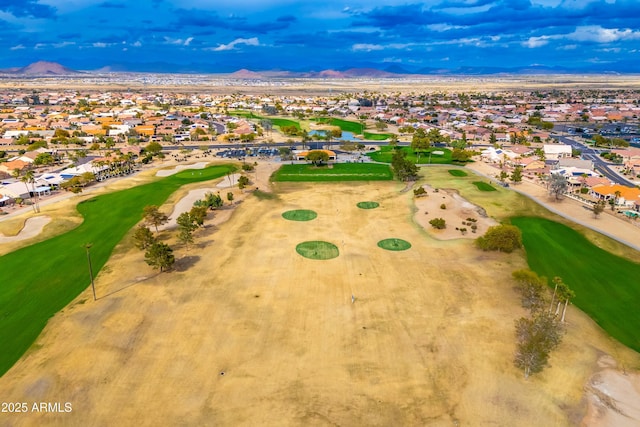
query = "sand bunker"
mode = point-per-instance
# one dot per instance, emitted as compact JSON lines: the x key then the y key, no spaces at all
{"x":32,"y":227}
{"x":457,"y":210}
{"x":229,"y":181}
{"x":184,"y":205}
{"x":179,"y":168}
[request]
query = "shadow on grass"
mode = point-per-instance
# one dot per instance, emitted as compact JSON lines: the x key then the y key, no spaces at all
{"x":185,"y":263}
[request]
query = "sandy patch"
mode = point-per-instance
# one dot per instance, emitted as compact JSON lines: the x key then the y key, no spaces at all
{"x":179,"y":168}
{"x":184,"y":205}
{"x":32,"y":227}
{"x":613,"y":398}
{"x":229,"y":181}
{"x":457,"y":211}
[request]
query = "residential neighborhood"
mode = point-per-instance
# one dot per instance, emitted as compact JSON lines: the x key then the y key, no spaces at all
{"x":51,"y":138}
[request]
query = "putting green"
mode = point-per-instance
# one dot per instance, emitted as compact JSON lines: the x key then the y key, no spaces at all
{"x":394,"y":244}
{"x":300,"y":215}
{"x":368,"y":205}
{"x":458,"y":172}
{"x":483,"y":186}
{"x":317,"y":250}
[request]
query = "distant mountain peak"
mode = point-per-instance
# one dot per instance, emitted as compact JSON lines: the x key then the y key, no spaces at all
{"x":246,"y":74}
{"x":45,"y":68}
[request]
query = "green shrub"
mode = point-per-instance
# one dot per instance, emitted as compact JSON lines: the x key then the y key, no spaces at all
{"x":503,"y":238}
{"x":438,"y":223}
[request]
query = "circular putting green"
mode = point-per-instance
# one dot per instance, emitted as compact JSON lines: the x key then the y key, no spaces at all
{"x":317,"y":249}
{"x":300,"y":215}
{"x":394,"y":244}
{"x":368,"y":205}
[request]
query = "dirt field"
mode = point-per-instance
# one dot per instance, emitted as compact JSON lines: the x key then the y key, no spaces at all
{"x":247,"y":332}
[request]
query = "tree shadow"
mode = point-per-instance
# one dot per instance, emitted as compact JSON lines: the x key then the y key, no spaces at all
{"x":186,"y":262}
{"x":135,"y":282}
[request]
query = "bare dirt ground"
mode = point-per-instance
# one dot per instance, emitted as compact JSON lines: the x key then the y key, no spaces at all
{"x":247,"y":332}
{"x":457,"y":210}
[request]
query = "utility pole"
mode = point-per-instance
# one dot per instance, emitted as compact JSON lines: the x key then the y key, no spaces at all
{"x":93,"y":286}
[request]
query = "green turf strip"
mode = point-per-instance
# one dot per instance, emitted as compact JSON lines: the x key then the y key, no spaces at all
{"x":483,"y":186}
{"x":394,"y":244}
{"x":318,"y":250}
{"x":338,"y":172}
{"x":607,"y":287}
{"x":458,"y":172}
{"x":300,"y":215}
{"x":385,"y":155}
{"x":41,"y":279}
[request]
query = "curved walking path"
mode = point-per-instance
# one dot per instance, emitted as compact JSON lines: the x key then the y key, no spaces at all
{"x":607,"y":224}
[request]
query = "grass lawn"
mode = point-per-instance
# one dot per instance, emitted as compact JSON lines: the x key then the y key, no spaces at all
{"x":483,"y":186}
{"x":300,"y":215}
{"x":276,"y":121}
{"x":47,"y":276}
{"x":346,"y":125}
{"x":386,"y":153}
{"x":338,"y":172}
{"x":376,"y":136}
{"x":606,"y":286}
{"x":457,"y":172}
{"x":318,"y":250}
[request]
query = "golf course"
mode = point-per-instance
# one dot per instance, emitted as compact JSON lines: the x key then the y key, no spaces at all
{"x":324,"y":303}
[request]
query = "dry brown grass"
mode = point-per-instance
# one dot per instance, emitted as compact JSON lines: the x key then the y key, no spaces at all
{"x":247,"y":332}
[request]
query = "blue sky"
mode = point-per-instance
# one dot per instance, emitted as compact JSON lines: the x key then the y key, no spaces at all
{"x":226,"y":35}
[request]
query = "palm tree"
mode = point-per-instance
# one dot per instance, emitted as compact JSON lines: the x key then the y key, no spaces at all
{"x":27,"y":178}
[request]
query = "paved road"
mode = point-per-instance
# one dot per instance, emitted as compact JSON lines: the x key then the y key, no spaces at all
{"x":599,"y":163}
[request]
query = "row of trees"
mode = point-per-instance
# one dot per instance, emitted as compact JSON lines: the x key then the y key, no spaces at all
{"x":541,"y":331}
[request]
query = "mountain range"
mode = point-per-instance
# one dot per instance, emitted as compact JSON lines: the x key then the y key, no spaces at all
{"x":48,"y":68}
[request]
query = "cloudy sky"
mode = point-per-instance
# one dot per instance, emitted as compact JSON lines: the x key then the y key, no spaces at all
{"x":226,"y":35}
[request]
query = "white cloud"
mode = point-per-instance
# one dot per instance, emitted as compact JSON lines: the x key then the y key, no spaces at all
{"x":595,"y":33}
{"x":63,"y":44}
{"x":253,"y":41}
{"x":181,"y":42}
{"x":17,"y":47}
{"x":367,"y":47}
{"x":137,"y":44}
{"x":534,"y":42}
{"x":99,"y":44}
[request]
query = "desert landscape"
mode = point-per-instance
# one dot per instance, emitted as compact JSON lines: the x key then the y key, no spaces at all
{"x":245,"y":331}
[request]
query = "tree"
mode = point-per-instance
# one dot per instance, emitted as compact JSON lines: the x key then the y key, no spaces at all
{"x":503,"y":238}
{"x":43,"y":159}
{"x":598,"y":208}
{"x":29,"y":178}
{"x":153,"y":216}
{"x":212,"y":201}
{"x":460,"y":155}
{"x":186,"y":227}
{"x":564,"y":295}
{"x":198,"y":214}
{"x":536,"y":337}
{"x":153,"y":148}
{"x":160,"y":255}
{"x":516,"y":175}
{"x":243,"y":181}
{"x":317,"y":157}
{"x":403,"y":168}
{"x":230,"y":197}
{"x":492,"y":139}
{"x":438,"y":223}
{"x":420,"y":141}
{"x":143,"y":238}
{"x":557,"y":185}
{"x":532,"y":289}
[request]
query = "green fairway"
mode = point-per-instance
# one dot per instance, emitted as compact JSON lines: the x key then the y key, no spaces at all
{"x":338,"y":172}
{"x":276,"y":121}
{"x":346,"y":125}
{"x":457,"y":172}
{"x":483,"y":186}
{"x":318,"y":250}
{"x":376,"y":136}
{"x":300,"y":215}
{"x":607,"y":287}
{"x":41,"y":279}
{"x":425,"y":157}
